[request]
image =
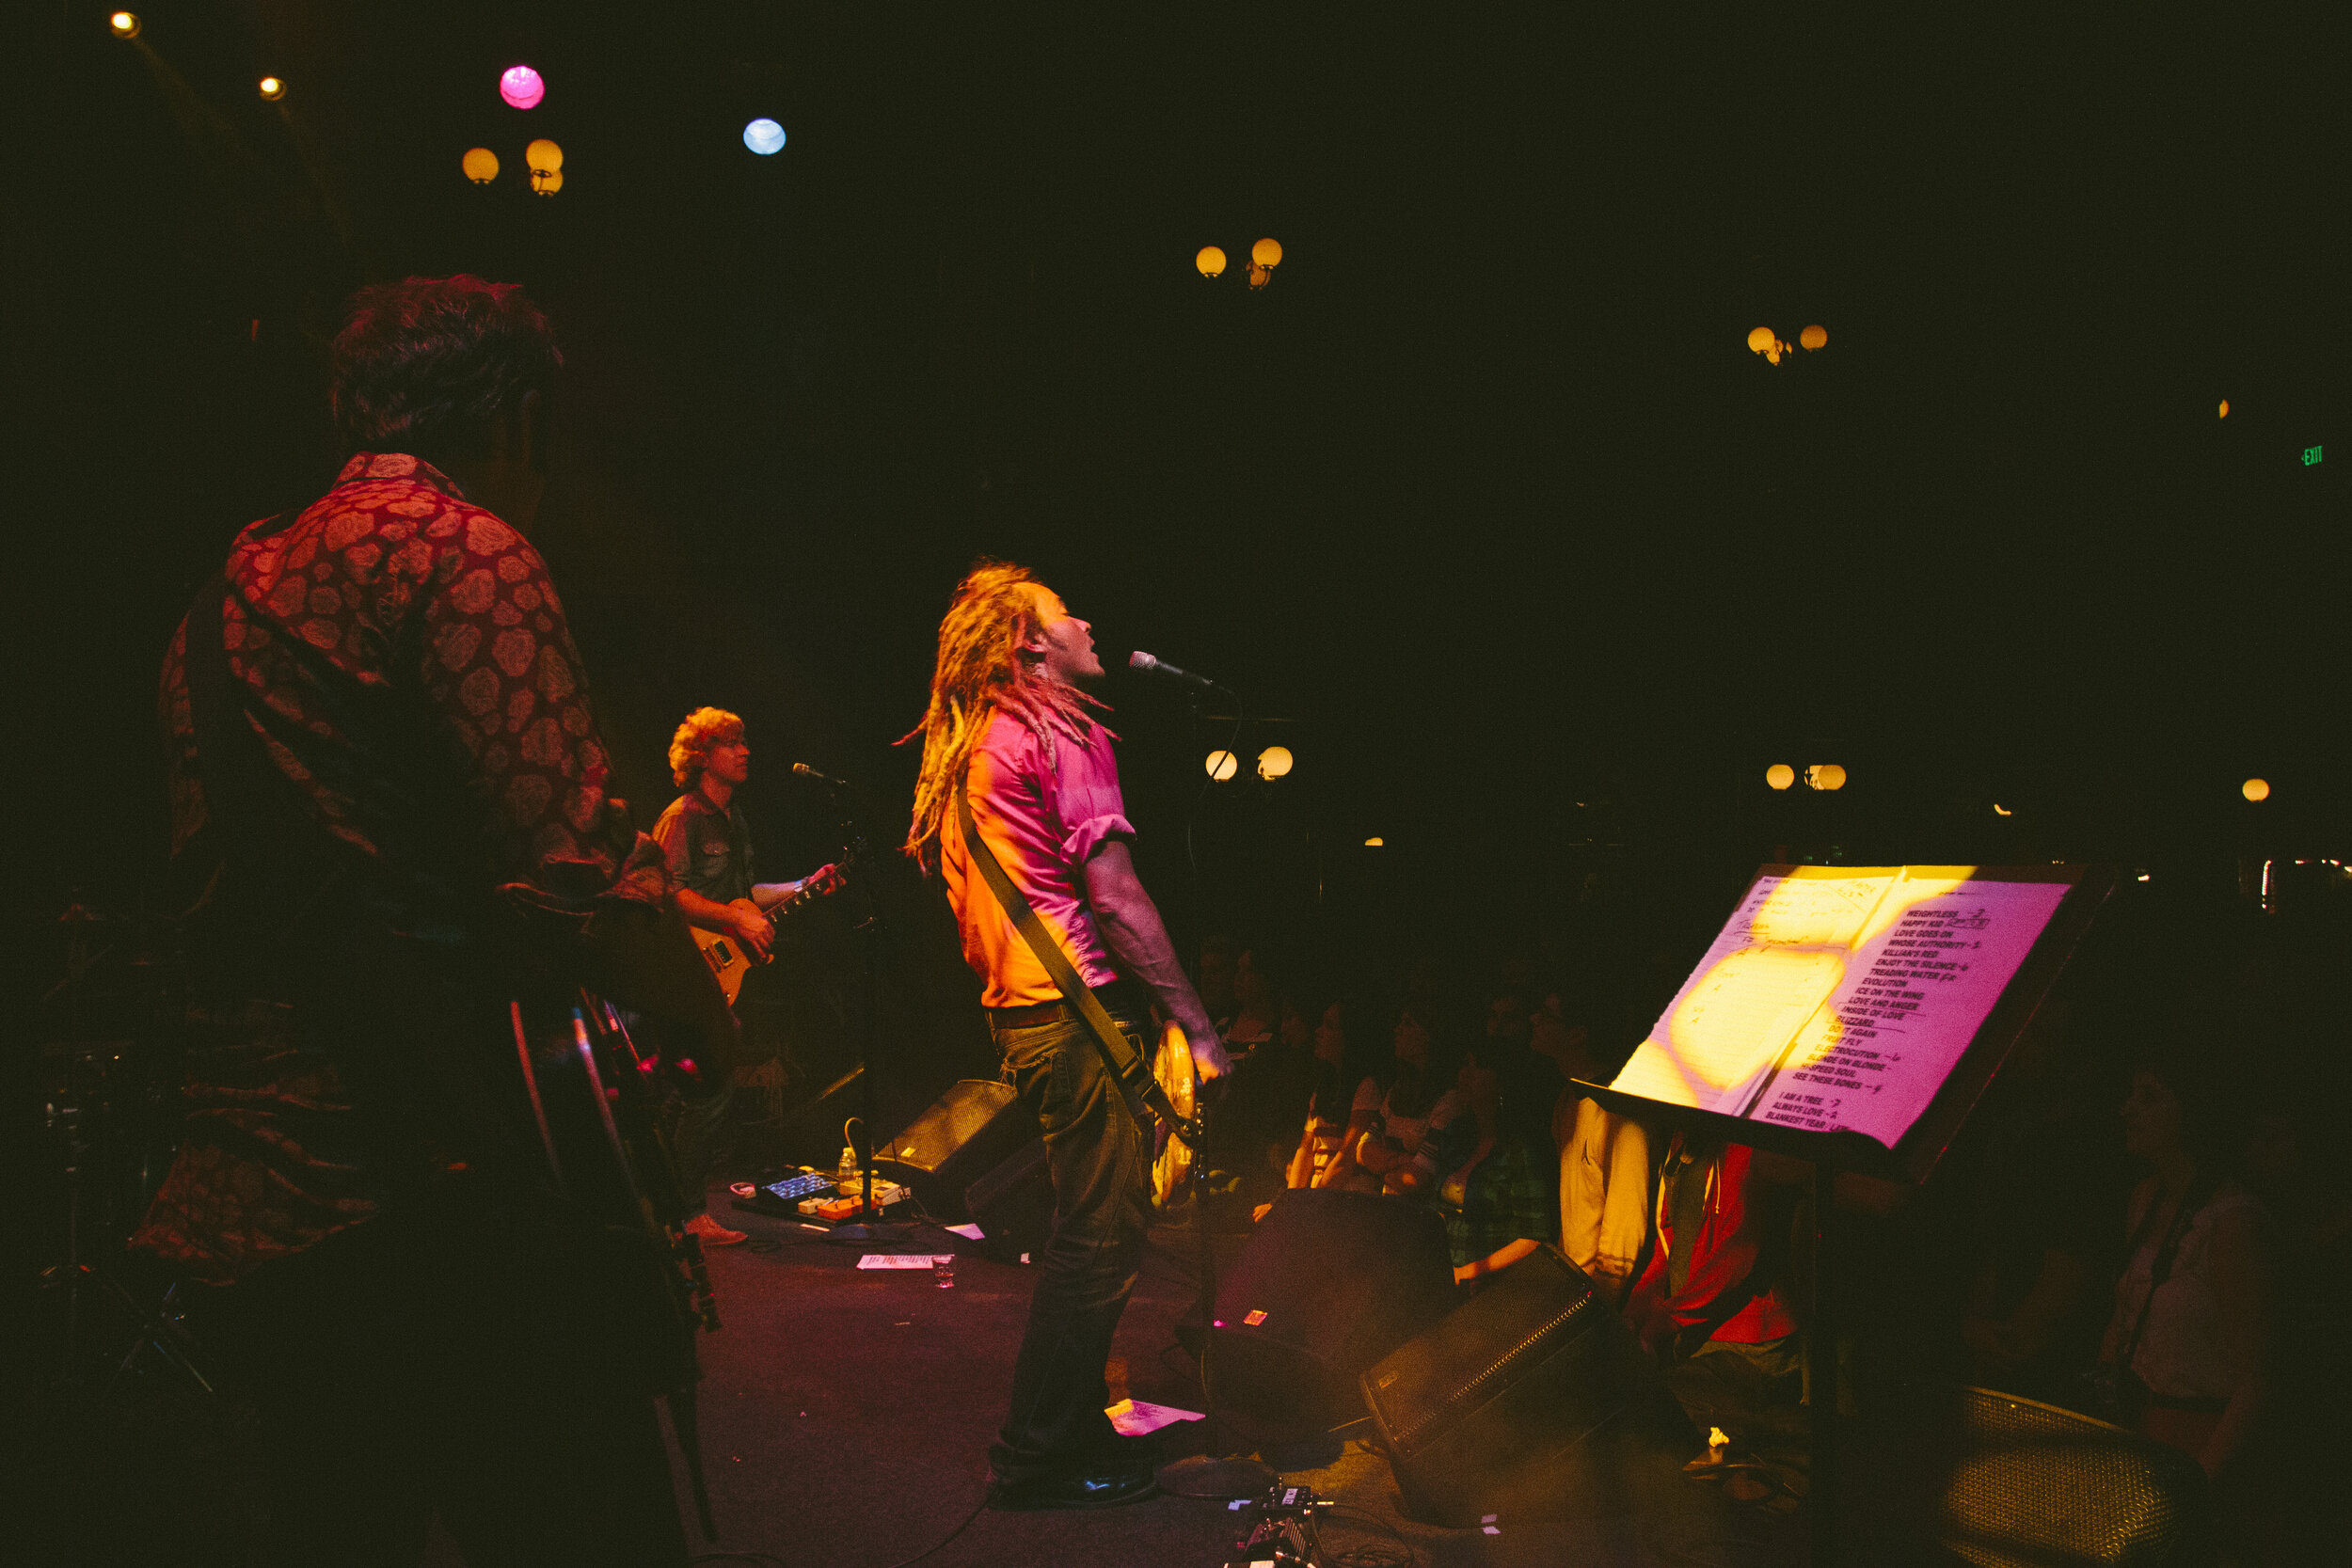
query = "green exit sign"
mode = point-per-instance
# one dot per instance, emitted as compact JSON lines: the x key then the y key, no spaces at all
{"x":2311,"y":456}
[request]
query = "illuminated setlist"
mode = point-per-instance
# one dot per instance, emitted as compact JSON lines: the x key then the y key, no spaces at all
{"x":1842,"y":997}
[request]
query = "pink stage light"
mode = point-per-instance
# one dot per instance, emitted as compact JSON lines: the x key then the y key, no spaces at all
{"x":520,"y":85}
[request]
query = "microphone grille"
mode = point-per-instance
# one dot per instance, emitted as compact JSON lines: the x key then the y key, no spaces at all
{"x":1142,"y":660}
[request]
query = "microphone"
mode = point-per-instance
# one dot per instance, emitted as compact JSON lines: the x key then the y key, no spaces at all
{"x":1148,"y":664}
{"x":802,"y":770}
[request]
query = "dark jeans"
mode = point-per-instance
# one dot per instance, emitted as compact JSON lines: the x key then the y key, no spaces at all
{"x":1100,"y":1153}
{"x":698,"y":1134}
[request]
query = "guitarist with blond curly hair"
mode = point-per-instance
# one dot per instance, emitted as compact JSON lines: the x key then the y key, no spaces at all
{"x":708,"y":846}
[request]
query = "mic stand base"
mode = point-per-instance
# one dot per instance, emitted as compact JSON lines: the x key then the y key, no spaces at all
{"x":1207,"y":1474}
{"x":1204,"y":1475}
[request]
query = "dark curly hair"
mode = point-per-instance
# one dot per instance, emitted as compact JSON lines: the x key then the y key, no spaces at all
{"x":427,"y":365}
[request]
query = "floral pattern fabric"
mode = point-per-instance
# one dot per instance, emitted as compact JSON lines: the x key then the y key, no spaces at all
{"x":394,"y":580}
{"x":390,"y":596}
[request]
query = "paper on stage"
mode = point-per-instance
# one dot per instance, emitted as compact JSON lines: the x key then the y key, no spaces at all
{"x":898,"y":1260}
{"x":1134,"y":1417}
{"x":969,"y":1232}
{"x":1841,"y":998}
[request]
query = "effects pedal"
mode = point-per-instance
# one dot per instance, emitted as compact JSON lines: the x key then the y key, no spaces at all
{"x":783,"y":1198}
{"x":1281,"y":1530}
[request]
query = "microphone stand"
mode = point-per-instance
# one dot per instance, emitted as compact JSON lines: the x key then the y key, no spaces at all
{"x":865,"y":924}
{"x":1208,"y":1474}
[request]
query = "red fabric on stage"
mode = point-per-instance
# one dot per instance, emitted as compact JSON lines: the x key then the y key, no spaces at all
{"x":1734,"y":1241}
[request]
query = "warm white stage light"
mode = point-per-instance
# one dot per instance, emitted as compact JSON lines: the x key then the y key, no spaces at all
{"x":1223,"y":765}
{"x":1274,"y":762}
{"x":1778,"y":776}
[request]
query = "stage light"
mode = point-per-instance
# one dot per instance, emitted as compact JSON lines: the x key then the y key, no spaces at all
{"x":123,"y":25}
{"x":1266,"y":253}
{"x":2000,"y":810}
{"x":480,"y":165}
{"x":1762,"y":339}
{"x":1778,"y":776}
{"x":764,"y":136}
{"x":1274,"y":762}
{"x":1211,"y":261}
{"x":1813,"y":337}
{"x":2225,"y":410}
{"x":1825,"y":775}
{"x":2255,"y":789}
{"x":521,"y":88}
{"x":546,"y":160}
{"x":1223,"y":765}
{"x":272,"y":88}
{"x":1375,"y":843}
{"x":1260,"y":276}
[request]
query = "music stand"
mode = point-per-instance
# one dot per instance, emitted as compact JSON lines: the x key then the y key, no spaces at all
{"x":1914,"y":1156}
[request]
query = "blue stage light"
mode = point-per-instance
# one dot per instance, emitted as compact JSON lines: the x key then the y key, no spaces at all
{"x":764,"y":136}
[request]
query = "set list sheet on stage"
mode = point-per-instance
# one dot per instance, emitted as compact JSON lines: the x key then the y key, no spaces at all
{"x":1842,"y":997}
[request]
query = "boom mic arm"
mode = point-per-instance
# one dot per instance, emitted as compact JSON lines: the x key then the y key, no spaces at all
{"x":1152,"y":665}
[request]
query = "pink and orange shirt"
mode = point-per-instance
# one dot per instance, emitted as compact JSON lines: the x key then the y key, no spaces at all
{"x":1043,"y":814}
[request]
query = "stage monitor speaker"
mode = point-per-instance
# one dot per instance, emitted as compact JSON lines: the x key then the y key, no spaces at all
{"x":1531,"y":1396}
{"x":2008,"y":1482}
{"x":1330,"y":1283}
{"x":1013,"y":1204}
{"x":968,"y":1132}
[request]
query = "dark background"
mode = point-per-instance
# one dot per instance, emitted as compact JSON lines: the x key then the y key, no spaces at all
{"x":1484,"y":496}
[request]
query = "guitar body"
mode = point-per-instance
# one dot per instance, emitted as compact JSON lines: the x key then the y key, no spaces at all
{"x":1171,"y":1165}
{"x":725,"y":952}
{"x":728,"y":958}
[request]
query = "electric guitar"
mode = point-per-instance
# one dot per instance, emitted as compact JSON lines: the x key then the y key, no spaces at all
{"x":728,"y":958}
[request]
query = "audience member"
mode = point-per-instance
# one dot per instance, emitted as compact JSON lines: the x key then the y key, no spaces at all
{"x":2048,"y":1180}
{"x":2186,"y":1345}
{"x":1715,"y":1294}
{"x":1351,"y":1075}
{"x":1257,"y":1007}
{"x":1254,"y":1126}
{"x":1215,"y":981}
{"x":1399,"y":1150}
{"x":1604,"y":1190}
{"x":1501,"y":1201}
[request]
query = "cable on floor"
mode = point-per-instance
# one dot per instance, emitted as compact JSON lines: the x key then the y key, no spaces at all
{"x":977,"y":1508}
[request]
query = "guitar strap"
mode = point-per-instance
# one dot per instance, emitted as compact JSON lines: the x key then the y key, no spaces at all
{"x":1118,"y":1055}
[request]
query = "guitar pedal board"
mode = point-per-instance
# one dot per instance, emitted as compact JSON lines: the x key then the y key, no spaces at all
{"x":811,"y":1195}
{"x":1281,"y":1530}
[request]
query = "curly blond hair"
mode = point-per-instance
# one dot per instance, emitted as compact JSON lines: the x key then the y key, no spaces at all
{"x":980,"y":671}
{"x":690,"y":749}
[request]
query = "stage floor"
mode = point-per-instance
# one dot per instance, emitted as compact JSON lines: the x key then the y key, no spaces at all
{"x":846,"y":1418}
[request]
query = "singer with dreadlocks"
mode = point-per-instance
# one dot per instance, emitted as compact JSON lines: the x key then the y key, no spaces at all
{"x":1008,"y":728}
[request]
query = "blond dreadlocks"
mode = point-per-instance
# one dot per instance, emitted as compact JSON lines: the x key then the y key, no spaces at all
{"x":982,"y":670}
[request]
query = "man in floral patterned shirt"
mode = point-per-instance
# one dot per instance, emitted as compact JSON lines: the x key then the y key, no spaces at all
{"x":388,"y":783}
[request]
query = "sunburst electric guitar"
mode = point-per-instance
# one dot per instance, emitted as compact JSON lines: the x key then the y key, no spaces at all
{"x":729,"y":959}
